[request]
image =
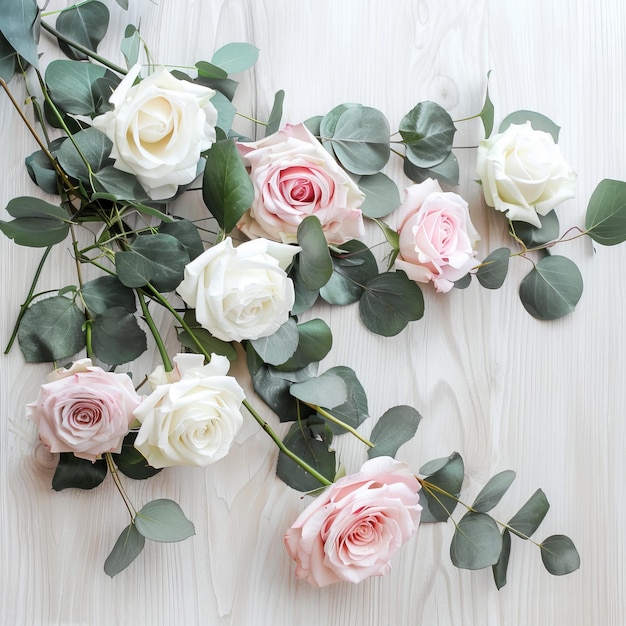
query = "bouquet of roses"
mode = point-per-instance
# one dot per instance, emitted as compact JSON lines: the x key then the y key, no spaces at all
{"x":118,"y":144}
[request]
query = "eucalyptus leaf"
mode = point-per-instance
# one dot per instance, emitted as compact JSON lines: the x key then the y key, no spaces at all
{"x":75,"y":473}
{"x":500,"y":568}
{"x":116,"y":337}
{"x":226,"y":187}
{"x":559,"y":555}
{"x":476,"y":542}
{"x":446,"y":172}
{"x":131,"y":462}
{"x":210,"y":344}
{"x":51,"y":329}
{"x":390,"y":301}
{"x":89,"y":151}
{"x":463,"y":283}
{"x":447,"y":478}
{"x":534,"y":236}
{"x":315,"y":340}
{"x":327,"y":390}
{"x":8,"y":59}
{"x":605,"y":220}
{"x":526,"y":521}
{"x":86,"y":24}
{"x":537,"y":120}
{"x":106,"y":292}
{"x":126,"y":549}
{"x":305,"y":298}
{"x":123,"y":4}
{"x":314,"y":263}
{"x":396,"y":426}
{"x":493,"y":491}
{"x":552,"y":289}
{"x":493,"y":270}
{"x":235,"y":57}
{"x":163,"y":520}
{"x":41,"y":170}
{"x":226,"y":111}
{"x":186,"y":232}
{"x":278,"y":347}
{"x":487,"y":112}
{"x":20,"y":27}
{"x":381,"y":195}
{"x":113,"y":184}
{"x":210,"y":70}
{"x":354,"y":410}
{"x":38,"y":224}
{"x":131,"y":45}
{"x":314,"y":124}
{"x":327,"y":124}
{"x":276,"y":114}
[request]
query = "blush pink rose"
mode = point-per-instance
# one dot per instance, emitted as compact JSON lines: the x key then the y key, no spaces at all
{"x":84,"y":410}
{"x":294,"y":177}
{"x":353,"y":529}
{"x":437,"y":237}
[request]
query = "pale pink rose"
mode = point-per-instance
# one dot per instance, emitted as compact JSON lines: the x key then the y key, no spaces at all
{"x":294,"y":177}
{"x":437,"y":237}
{"x":84,"y":410}
{"x":353,"y":529}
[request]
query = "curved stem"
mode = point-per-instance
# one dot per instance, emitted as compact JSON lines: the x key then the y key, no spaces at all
{"x":118,"y":483}
{"x":336,"y":420}
{"x":167,"y":364}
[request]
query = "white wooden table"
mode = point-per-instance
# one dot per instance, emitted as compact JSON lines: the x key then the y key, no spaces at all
{"x":505,"y":390}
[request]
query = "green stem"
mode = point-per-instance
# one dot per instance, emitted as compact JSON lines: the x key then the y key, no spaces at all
{"x":118,"y":483}
{"x":281,"y":446}
{"x":167,"y":364}
{"x":90,"y":53}
{"x":336,"y":420}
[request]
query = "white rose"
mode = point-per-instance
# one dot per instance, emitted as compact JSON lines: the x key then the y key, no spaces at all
{"x":523,"y":173}
{"x":158,"y":128}
{"x":243,"y":292}
{"x":192,"y":420}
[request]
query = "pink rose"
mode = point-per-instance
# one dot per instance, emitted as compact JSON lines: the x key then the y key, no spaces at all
{"x":437,"y":237}
{"x":294,"y":177}
{"x":354,"y":528}
{"x":84,"y":410}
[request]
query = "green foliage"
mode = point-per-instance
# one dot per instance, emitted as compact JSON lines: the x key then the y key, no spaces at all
{"x":75,"y":473}
{"x":235,"y":57}
{"x":390,"y":301}
{"x":327,"y":390}
{"x":8,"y":59}
{"x":278,"y":347}
{"x":51,"y":329}
{"x":314,"y":263}
{"x":354,"y":410}
{"x":86,"y":24}
{"x":276,"y":114}
{"x":163,"y":520}
{"x":487,"y":113}
{"x":309,"y":440}
{"x":499,"y":568}
{"x":210,"y":344}
{"x":605,"y":220}
{"x":537,"y":121}
{"x":226,"y":111}
{"x":131,"y":462}
{"x":226,"y":187}
{"x":130,"y":46}
{"x":534,"y":236}
{"x":186,"y":233}
{"x":493,"y":491}
{"x":552,"y":289}
{"x":37,"y":224}
{"x":40,"y":168}
{"x":559,"y":555}
{"x":494,"y":268}
{"x":116,"y":337}
{"x":526,"y":521}
{"x":126,"y":549}
{"x":446,"y":172}
{"x":314,"y":343}
{"x":441,"y":488}
{"x":110,"y":183}
{"x":123,"y":4}
{"x":395,"y":427}
{"x":20,"y":27}
{"x":381,"y":195}
{"x":476,"y":542}
{"x":305,"y":298}
{"x":89,"y":152}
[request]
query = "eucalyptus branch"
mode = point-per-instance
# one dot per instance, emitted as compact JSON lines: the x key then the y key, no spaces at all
{"x":336,"y":420}
{"x":118,"y":483}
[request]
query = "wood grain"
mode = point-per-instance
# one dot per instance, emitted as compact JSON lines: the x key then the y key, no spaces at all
{"x":502,"y":388}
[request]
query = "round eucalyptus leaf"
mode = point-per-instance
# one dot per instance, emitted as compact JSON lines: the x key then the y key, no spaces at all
{"x":559,"y":555}
{"x":447,"y":476}
{"x":493,"y":491}
{"x":187,"y":233}
{"x":394,"y":428}
{"x":235,"y":57}
{"x":605,"y":220}
{"x":86,"y":24}
{"x":163,"y":520}
{"x":126,"y":549}
{"x":446,"y":172}
{"x":278,"y":347}
{"x":476,"y":543}
{"x":381,"y":195}
{"x":533,"y":236}
{"x":314,"y":263}
{"x":494,"y":268}
{"x":327,"y":390}
{"x":328,"y":123}
{"x":95,"y":148}
{"x":537,"y":121}
{"x":131,"y":462}
{"x":116,"y":337}
{"x":75,"y":473}
{"x":106,"y":292}
{"x":314,"y":343}
{"x":354,"y":410}
{"x":526,"y":521}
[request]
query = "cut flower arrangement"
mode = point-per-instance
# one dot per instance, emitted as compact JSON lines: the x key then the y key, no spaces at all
{"x":117,"y":144}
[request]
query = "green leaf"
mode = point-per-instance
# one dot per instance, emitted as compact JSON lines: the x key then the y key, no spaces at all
{"x":38,"y":224}
{"x":123,"y":4}
{"x":51,"y":329}
{"x":361,"y":140}
{"x":381,"y":195}
{"x":353,"y":267}
{"x":131,"y":45}
{"x":605,"y":220}
{"x":70,"y":85}
{"x":210,"y":70}
{"x":225,"y":111}
{"x":537,"y":121}
{"x":41,"y":170}
{"x":499,"y":569}
{"x":486,"y":115}
{"x":314,"y":125}
{"x":305,"y":298}
{"x":446,"y":475}
{"x":276,"y":114}
{"x":354,"y":410}
{"x":526,"y":521}
{"x":463,"y":283}
{"x":86,"y":24}
{"x":131,"y":462}
{"x":8,"y":59}
{"x":310,"y":440}
{"x":314,"y":262}
{"x":446,"y":172}
{"x":163,"y":520}
{"x":20,"y":27}
{"x":186,"y":232}
{"x":116,"y":337}
{"x":552,"y":289}
{"x":226,"y":187}
{"x":533,"y":236}
{"x":277,"y":348}
{"x":559,"y":555}
{"x":390,"y":301}
{"x":95,"y":148}
{"x":126,"y":549}
{"x":113,"y":184}
{"x":235,"y":57}
{"x":315,"y":340}
{"x":327,"y":124}
{"x":476,"y":543}
{"x":493,"y":491}
{"x":396,"y":426}
{"x":428,"y":131}
{"x":106,"y":292}
{"x":327,"y":390}
{"x":158,"y":259}
{"x":75,"y":473}
{"x":211,"y":344}
{"x":494,"y":268}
